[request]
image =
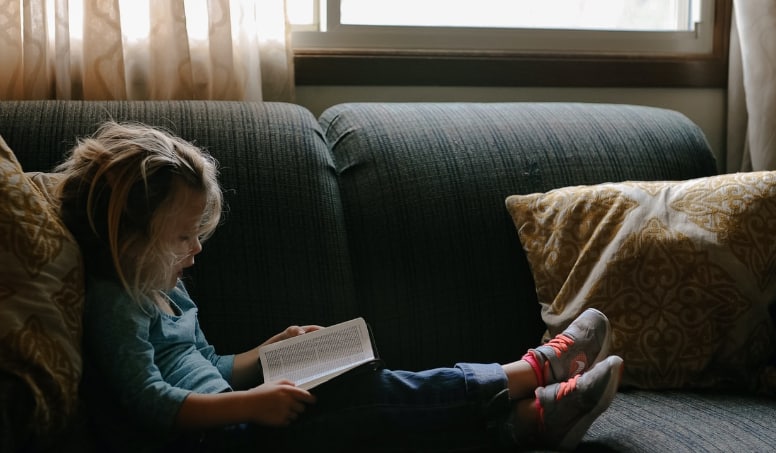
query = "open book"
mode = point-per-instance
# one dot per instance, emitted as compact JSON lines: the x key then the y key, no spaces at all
{"x":316,"y":357}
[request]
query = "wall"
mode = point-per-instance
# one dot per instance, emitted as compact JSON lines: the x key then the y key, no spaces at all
{"x":706,"y":107}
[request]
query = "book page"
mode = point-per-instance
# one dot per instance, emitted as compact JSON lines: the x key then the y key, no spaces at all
{"x":316,"y":357}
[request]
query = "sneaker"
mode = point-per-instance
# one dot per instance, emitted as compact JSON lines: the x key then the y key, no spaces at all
{"x":567,"y":409}
{"x":584,"y":343}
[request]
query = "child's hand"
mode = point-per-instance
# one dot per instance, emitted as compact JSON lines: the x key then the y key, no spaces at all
{"x":278,"y":403}
{"x":291,"y":332}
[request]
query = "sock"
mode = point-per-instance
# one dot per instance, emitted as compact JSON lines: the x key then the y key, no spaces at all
{"x":539,"y":414}
{"x":537,"y":369}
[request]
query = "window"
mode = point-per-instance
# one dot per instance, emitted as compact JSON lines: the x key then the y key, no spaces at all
{"x":501,"y":34}
{"x":629,"y":26}
{"x":663,"y":15}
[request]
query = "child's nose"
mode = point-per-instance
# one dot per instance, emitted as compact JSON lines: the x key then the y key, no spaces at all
{"x":196,"y":247}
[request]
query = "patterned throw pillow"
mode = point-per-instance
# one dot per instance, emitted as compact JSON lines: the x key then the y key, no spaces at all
{"x":41,"y":300}
{"x":685,"y":271}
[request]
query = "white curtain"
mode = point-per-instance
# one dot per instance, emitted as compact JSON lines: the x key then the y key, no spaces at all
{"x":751,"y":141}
{"x":145,"y":49}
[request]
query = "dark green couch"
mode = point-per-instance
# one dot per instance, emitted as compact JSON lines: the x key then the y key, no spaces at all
{"x":395,"y":212}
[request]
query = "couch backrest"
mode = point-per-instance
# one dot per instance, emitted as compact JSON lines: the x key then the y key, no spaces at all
{"x":281,"y":256}
{"x":395,"y":214}
{"x":438,"y":266}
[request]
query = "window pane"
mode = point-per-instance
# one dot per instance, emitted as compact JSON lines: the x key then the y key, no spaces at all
{"x":644,"y":15}
{"x":631,"y":27}
{"x":301,"y":12}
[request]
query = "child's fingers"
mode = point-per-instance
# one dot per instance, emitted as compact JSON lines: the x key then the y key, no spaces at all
{"x":305,"y":396}
{"x":311,"y":328}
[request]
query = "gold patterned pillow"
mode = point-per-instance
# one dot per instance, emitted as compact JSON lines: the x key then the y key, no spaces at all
{"x":41,"y":300}
{"x":684,"y":270}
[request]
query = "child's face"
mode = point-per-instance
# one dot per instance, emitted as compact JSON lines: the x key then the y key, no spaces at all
{"x":183,"y":232}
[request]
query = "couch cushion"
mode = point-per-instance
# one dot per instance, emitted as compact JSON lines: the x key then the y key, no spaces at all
{"x":683,"y":422}
{"x":684,"y":271}
{"x":41,"y":298}
{"x":281,"y":255}
{"x":439,"y":272}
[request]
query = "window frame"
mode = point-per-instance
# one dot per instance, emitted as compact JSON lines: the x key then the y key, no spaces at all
{"x":423,"y":67}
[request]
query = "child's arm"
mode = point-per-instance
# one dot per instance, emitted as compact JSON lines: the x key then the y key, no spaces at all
{"x":270,"y":404}
{"x":245,"y":371}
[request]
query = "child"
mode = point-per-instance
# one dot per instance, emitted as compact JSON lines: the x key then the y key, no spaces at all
{"x":140,"y":202}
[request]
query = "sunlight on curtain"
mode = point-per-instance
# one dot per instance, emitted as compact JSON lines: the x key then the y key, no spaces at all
{"x":144,"y":49}
{"x":751,"y":143}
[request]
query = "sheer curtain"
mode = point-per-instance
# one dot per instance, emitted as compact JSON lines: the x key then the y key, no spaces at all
{"x":145,"y":49}
{"x":751,"y":141}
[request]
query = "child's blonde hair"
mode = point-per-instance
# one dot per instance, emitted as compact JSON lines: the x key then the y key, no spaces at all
{"x":119,"y":188}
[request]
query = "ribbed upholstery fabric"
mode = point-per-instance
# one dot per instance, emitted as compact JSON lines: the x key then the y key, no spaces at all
{"x":684,"y":422}
{"x":281,"y":256}
{"x":439,"y":269}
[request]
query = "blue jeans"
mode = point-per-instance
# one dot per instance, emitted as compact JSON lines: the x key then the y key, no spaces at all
{"x":460,"y":408}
